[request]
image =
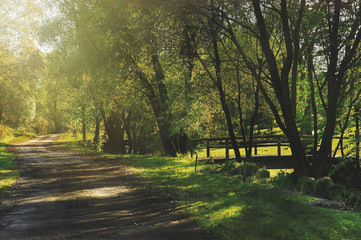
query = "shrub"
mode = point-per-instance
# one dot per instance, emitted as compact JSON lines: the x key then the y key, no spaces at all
{"x":300,"y":181}
{"x":355,"y":180}
{"x":210,"y":168}
{"x":357,"y":205}
{"x":25,"y":131}
{"x":235,"y":169}
{"x":283,"y":180}
{"x":306,"y":185}
{"x":249,"y":169}
{"x":351,"y":198}
{"x":229,"y":166}
{"x":41,"y":125}
{"x":335,"y":191}
{"x":321,"y":185}
{"x":341,"y":169}
{"x":5,"y":132}
{"x":263,"y":173}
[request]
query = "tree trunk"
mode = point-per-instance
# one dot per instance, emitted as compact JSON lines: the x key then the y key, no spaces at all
{"x":83,"y":123}
{"x":56,"y":122}
{"x":115,"y":143}
{"x":301,"y":165}
{"x":222,"y":96}
{"x":97,"y":130}
{"x":247,"y":147}
{"x":157,"y":94}
{"x":183,"y":142}
{"x":166,"y":138}
{"x":115,"y":131}
{"x":357,"y":136}
{"x":164,"y":116}
{"x":230,"y":125}
{"x":323,"y":164}
{"x":341,"y":138}
{"x":280,"y":80}
{"x":343,"y":129}
{"x":1,"y":114}
{"x":135,"y":140}
{"x":253,"y":121}
{"x":160,"y":105}
{"x":310,"y":68}
{"x":129,"y":133}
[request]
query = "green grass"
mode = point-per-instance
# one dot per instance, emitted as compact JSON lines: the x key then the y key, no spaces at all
{"x":232,"y":209}
{"x":236,"y":210}
{"x":9,"y":171}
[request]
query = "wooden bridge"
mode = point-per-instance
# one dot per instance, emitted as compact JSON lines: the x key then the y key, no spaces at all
{"x":264,"y":141}
{"x":278,"y":141}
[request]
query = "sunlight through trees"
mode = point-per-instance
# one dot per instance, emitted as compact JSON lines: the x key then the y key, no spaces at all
{"x":147,"y":76}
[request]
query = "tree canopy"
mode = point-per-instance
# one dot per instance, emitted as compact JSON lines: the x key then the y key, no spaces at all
{"x":147,"y":76}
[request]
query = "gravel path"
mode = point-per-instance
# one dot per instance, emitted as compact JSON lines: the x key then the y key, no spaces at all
{"x":65,"y":196}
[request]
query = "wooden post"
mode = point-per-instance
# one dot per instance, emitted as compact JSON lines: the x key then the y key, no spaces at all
{"x":255,"y":148}
{"x":357,"y":135}
{"x":208,"y":149}
{"x":279,"y":148}
{"x":227,"y":150}
{"x":195,"y":167}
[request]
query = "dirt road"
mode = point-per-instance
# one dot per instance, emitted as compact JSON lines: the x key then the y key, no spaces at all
{"x":65,"y":196}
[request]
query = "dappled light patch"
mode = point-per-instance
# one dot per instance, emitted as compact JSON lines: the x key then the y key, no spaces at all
{"x":255,"y":210}
{"x":228,"y":212}
{"x":232,"y":208}
{"x":83,"y":197}
{"x":103,"y":192}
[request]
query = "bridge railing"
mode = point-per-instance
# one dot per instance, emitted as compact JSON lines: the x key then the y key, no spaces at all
{"x":258,"y":141}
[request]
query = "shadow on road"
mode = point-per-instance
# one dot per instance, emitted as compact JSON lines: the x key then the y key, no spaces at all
{"x":64,"y":196}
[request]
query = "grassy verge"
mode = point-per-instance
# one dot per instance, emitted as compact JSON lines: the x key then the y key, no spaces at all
{"x":232,"y":209}
{"x":9,"y":171}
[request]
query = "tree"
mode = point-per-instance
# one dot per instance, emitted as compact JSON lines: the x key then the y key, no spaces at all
{"x":19,"y":60}
{"x":341,"y":48}
{"x":138,"y":41}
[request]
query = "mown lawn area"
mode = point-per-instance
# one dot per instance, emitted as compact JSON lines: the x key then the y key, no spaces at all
{"x":226,"y":206}
{"x":236,"y":210}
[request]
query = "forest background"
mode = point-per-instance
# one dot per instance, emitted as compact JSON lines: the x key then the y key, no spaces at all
{"x":147,"y":76}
